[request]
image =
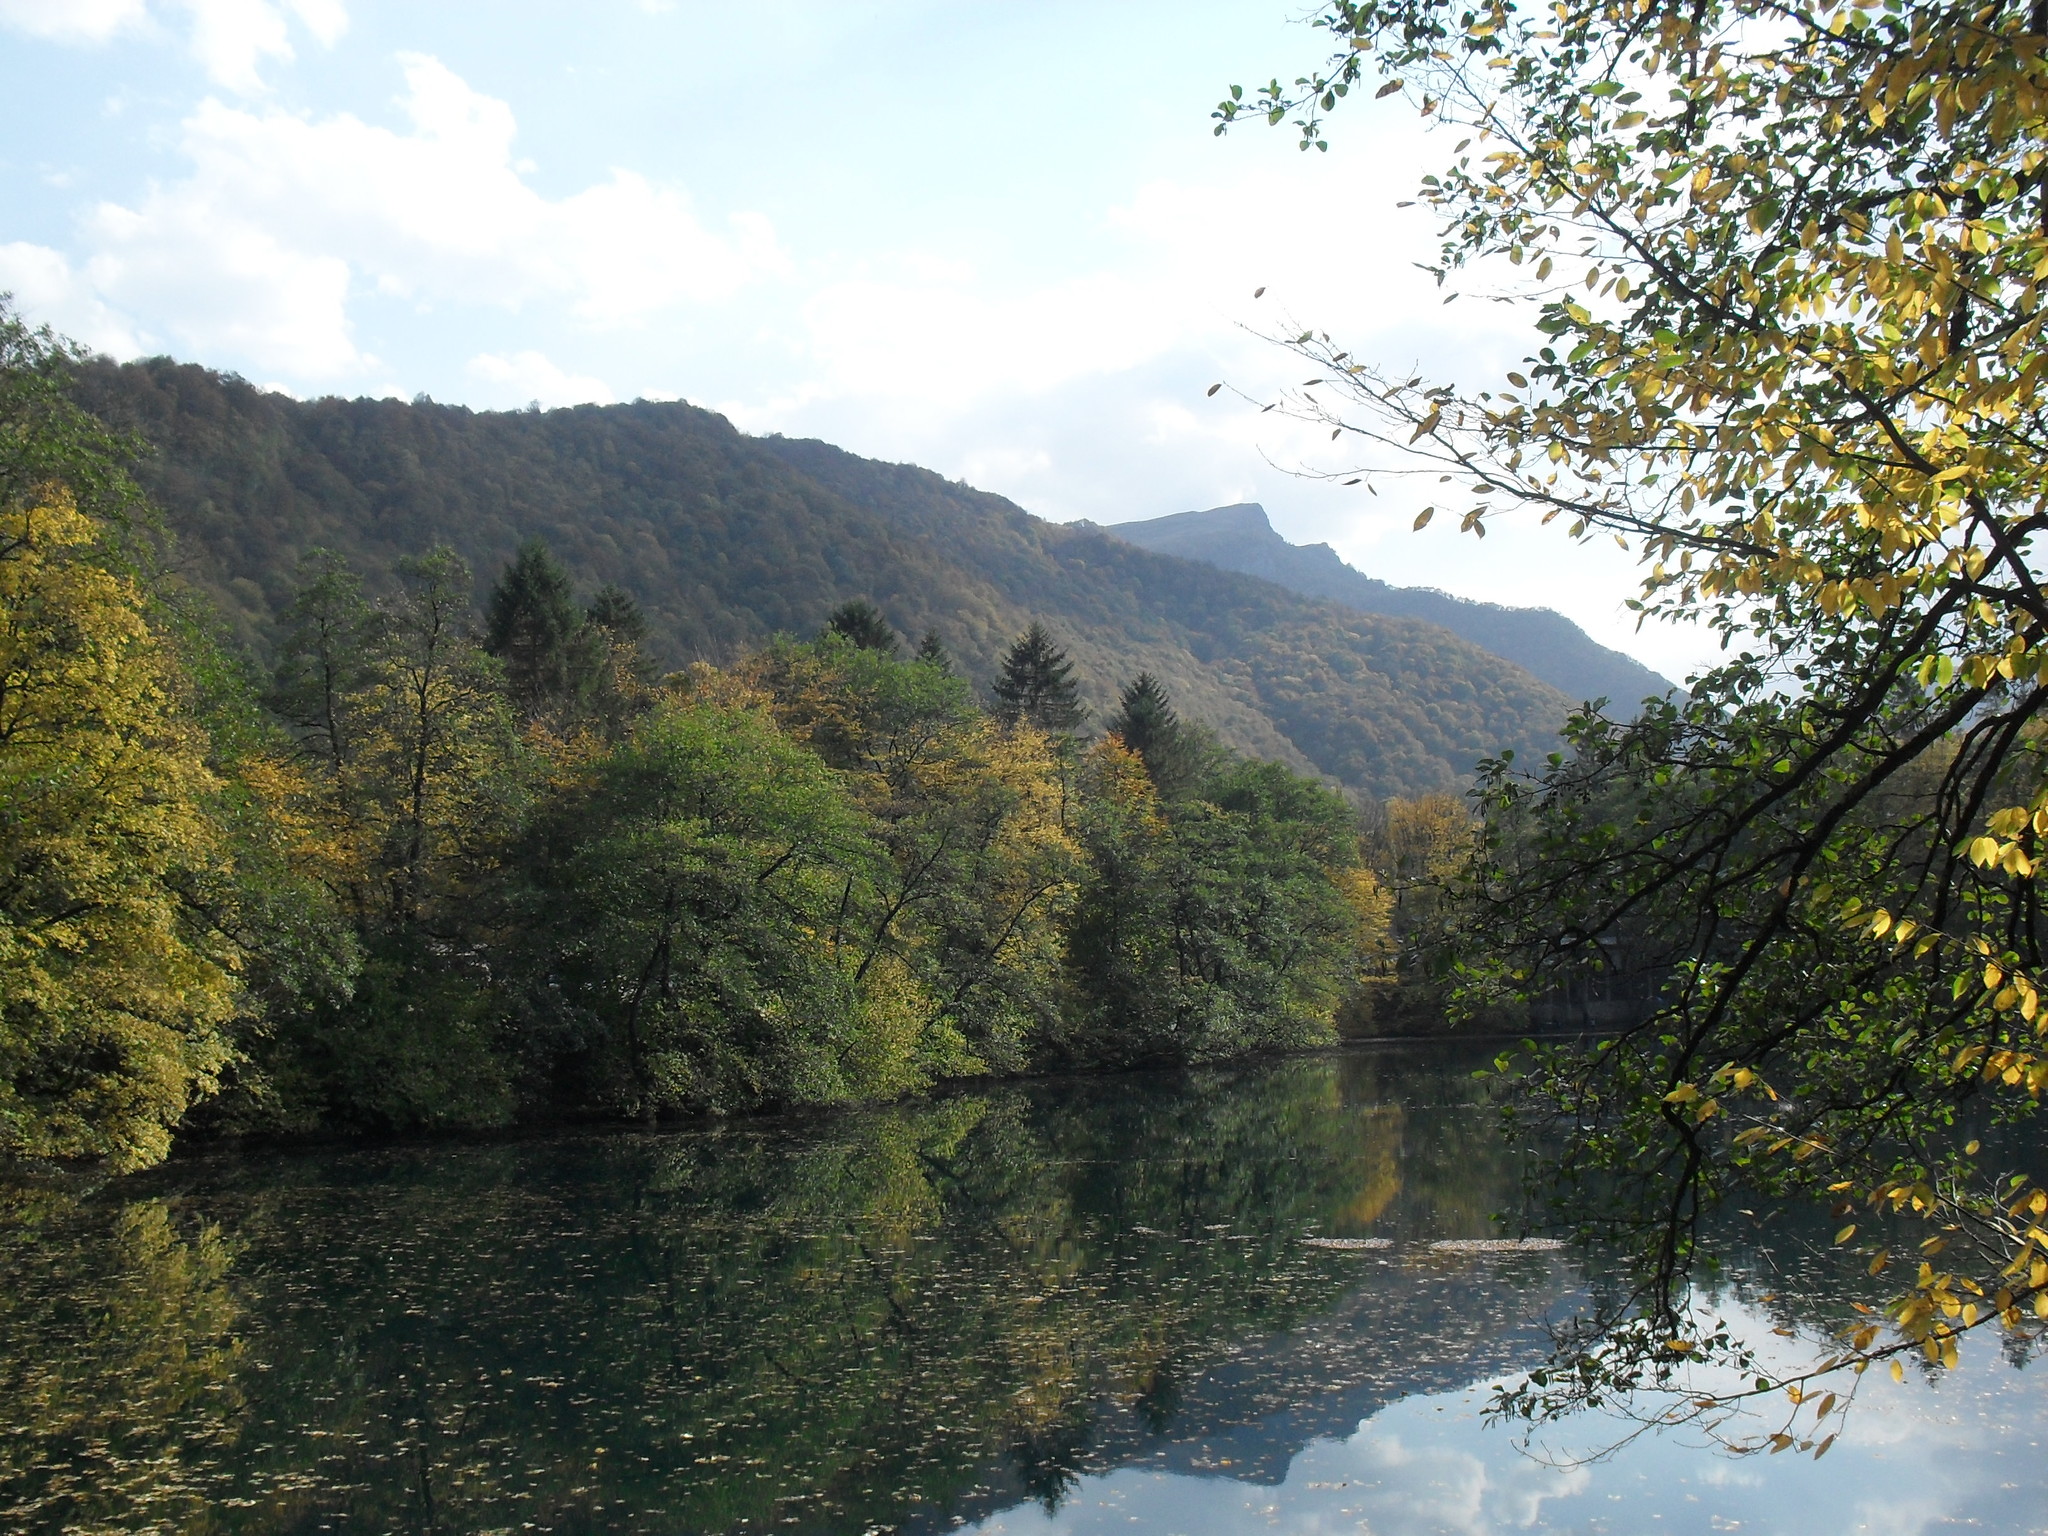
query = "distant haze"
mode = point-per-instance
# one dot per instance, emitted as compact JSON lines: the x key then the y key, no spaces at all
{"x":1241,"y":538}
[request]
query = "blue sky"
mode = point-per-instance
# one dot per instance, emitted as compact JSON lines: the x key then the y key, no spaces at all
{"x":999,"y":240}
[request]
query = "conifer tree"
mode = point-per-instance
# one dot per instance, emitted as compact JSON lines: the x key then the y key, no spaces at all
{"x":1036,"y":685}
{"x":614,"y":611}
{"x":861,"y":622}
{"x":931,"y":650}
{"x":532,"y":626}
{"x":1147,"y":724}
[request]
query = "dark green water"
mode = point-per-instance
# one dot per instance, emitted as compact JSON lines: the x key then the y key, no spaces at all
{"x":1107,"y":1303}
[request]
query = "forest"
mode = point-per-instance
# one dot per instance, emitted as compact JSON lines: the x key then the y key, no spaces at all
{"x":725,"y":540}
{"x":431,"y":866}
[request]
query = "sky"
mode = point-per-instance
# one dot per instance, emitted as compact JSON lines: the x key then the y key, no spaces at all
{"x":997,"y":240}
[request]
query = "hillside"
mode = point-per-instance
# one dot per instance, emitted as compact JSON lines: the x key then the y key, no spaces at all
{"x":727,"y":539}
{"x":1546,"y":643}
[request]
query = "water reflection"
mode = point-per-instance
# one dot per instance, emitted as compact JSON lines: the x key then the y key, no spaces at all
{"x":1961,"y":1453}
{"x":1037,"y":1303}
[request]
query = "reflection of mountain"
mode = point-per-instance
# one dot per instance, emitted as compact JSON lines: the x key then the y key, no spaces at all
{"x":1546,"y":643}
{"x":1413,"y":1324}
{"x":861,"y":1320}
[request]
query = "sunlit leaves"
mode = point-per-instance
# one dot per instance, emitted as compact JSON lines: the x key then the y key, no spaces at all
{"x":114,"y":1003}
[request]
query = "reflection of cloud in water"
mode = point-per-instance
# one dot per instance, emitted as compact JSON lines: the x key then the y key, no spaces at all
{"x":1962,"y":1453}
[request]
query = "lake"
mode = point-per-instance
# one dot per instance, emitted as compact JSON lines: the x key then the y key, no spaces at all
{"x":1261,"y":1299}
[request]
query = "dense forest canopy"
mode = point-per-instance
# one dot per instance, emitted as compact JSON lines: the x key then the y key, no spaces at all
{"x":724,"y":541}
{"x":1541,"y":641}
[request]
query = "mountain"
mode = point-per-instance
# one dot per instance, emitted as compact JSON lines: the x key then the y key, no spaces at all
{"x":727,"y":539}
{"x":1239,"y":538}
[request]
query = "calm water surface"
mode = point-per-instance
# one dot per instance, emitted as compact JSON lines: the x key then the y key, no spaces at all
{"x":1134,"y":1305}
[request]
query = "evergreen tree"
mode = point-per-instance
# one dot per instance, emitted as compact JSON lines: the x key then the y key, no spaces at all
{"x":861,"y":622}
{"x":932,"y":652}
{"x":614,"y":611}
{"x":532,"y":626}
{"x":1147,"y":724}
{"x":1036,"y":684}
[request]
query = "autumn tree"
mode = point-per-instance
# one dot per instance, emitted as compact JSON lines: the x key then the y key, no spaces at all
{"x":1786,"y":266}
{"x":696,"y":904}
{"x":1036,"y":684}
{"x":1214,"y":926}
{"x":419,"y":782}
{"x":980,"y":865}
{"x":114,"y":1003}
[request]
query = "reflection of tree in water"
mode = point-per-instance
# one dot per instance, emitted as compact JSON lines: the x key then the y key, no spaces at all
{"x":869,"y":1318}
{"x":118,"y":1378}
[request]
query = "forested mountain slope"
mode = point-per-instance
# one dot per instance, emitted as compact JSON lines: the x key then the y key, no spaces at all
{"x":1546,"y":643}
{"x":726,"y":539}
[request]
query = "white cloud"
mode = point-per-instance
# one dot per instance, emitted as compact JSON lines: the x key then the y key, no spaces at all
{"x":231,"y":39}
{"x":51,"y":293}
{"x":520,"y":377}
{"x":72,"y":21}
{"x":255,"y":256}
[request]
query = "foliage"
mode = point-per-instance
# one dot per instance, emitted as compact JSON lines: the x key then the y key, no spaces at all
{"x":451,"y":874}
{"x":1145,"y":722}
{"x":1217,"y":925}
{"x":47,"y":440}
{"x":980,"y":861}
{"x":114,"y":1005}
{"x":1804,"y":376}
{"x":532,"y":626}
{"x":696,"y":904}
{"x":932,"y":651}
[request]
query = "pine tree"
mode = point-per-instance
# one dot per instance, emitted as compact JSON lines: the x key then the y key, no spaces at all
{"x":614,"y":611}
{"x":860,"y":622}
{"x":933,"y":653}
{"x":1036,"y":685}
{"x":1147,"y":724}
{"x":1146,"y":718}
{"x":532,"y":627}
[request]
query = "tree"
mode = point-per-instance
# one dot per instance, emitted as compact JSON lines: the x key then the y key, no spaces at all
{"x":933,"y":653}
{"x":1036,"y":685}
{"x":1146,"y":723}
{"x":697,"y":911}
{"x":860,"y":623}
{"x":1803,"y":378}
{"x":1212,"y":927}
{"x":419,"y":783}
{"x":614,"y":639}
{"x":115,"y":1005}
{"x":979,"y":863}
{"x":324,"y":657}
{"x":441,"y":764}
{"x":532,"y":625}
{"x":47,"y":440}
